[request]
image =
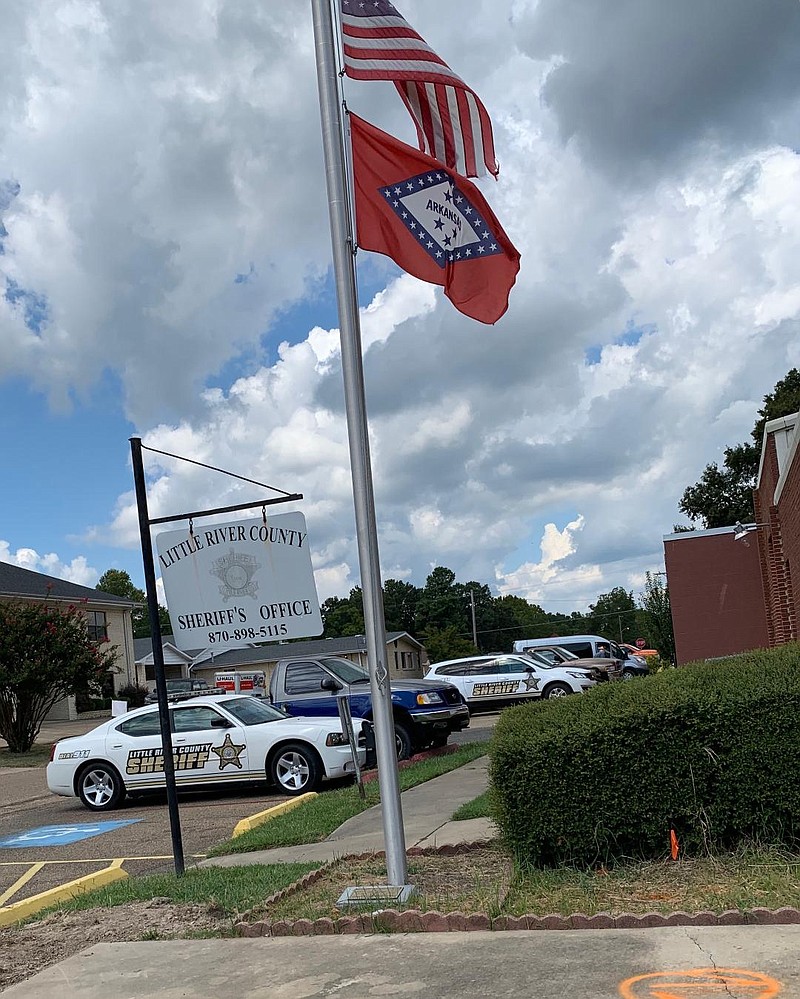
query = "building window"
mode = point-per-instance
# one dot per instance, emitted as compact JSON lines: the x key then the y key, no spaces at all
{"x":96,"y":626}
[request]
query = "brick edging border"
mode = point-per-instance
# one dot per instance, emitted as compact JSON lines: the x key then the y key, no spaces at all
{"x":417,"y":921}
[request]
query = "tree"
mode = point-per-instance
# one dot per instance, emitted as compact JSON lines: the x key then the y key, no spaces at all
{"x":118,"y":582}
{"x":344,"y":616}
{"x":658,"y":615}
{"x":724,"y":495}
{"x":400,"y":605}
{"x":447,"y":643}
{"x":442,"y":603}
{"x":45,"y":655}
{"x":512,"y":618}
{"x":613,"y":615}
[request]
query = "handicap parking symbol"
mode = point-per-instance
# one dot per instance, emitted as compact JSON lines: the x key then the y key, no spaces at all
{"x":60,"y":835}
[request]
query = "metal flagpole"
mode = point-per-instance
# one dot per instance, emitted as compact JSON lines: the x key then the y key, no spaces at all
{"x":358,"y":437}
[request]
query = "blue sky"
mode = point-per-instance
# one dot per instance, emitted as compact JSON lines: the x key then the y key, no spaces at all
{"x":181,"y":288}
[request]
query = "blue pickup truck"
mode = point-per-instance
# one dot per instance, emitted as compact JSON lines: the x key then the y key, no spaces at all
{"x":425,"y":711}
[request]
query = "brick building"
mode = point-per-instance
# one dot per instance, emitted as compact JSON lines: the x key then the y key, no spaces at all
{"x":733,"y":588}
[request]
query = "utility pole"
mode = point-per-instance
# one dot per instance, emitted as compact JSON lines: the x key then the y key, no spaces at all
{"x":474,"y":625}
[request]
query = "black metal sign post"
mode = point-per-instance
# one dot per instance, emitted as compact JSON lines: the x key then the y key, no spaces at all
{"x":158,"y":654}
{"x":145,"y":523}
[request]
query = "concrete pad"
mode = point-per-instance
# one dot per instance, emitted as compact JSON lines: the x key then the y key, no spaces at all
{"x":468,"y":831}
{"x":536,"y":965}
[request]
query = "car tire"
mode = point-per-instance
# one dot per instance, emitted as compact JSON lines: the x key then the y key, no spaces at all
{"x":556,"y":689}
{"x":295,"y":768}
{"x":628,"y":674}
{"x":100,"y":787}
{"x":402,"y":738}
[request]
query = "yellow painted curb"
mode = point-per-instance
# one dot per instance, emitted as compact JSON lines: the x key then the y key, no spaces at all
{"x":29,"y":906}
{"x":270,"y":813}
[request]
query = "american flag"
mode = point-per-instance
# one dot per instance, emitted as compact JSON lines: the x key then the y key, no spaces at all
{"x":453,"y":126}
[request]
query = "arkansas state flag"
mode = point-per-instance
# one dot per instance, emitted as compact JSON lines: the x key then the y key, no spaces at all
{"x":432,"y":222}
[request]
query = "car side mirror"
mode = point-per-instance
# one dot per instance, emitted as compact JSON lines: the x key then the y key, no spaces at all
{"x":221,"y":723}
{"x":328,"y":683}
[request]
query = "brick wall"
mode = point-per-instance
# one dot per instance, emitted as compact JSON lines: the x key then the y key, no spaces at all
{"x":779,"y":545}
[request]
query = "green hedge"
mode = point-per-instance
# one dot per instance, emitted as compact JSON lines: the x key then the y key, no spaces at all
{"x":712,"y":749}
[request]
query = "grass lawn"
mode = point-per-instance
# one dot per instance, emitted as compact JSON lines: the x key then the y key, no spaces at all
{"x":316,"y":819}
{"x":37,"y":756}
{"x":486,"y":880}
{"x":230,"y":890}
{"x":478,"y":808}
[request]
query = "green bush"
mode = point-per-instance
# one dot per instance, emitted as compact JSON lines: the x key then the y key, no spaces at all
{"x":710,"y":749}
{"x":133,"y":694}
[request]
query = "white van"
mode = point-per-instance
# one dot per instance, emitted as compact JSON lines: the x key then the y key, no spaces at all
{"x":589,"y":647}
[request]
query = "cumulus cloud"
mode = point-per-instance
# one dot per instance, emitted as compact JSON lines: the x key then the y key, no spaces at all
{"x":649,"y":179}
{"x":77,"y":570}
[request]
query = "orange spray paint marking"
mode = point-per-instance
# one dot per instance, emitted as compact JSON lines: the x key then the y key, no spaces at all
{"x":700,"y":983}
{"x":674,"y":846}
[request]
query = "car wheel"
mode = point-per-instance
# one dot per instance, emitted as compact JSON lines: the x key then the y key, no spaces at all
{"x":556,"y":689}
{"x":100,"y":787}
{"x":628,"y":674}
{"x":402,"y":739}
{"x":296,"y":768}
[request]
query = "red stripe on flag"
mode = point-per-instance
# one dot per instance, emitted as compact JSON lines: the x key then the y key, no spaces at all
{"x":382,"y":32}
{"x":466,"y":130}
{"x":395,"y":55}
{"x":447,"y":124}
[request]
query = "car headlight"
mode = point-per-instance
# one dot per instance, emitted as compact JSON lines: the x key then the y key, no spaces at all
{"x":582,"y":675}
{"x":337,"y":739}
{"x":430,"y":698}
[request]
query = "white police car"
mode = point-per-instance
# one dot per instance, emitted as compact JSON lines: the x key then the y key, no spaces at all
{"x":483,"y":680}
{"x":216,"y":740}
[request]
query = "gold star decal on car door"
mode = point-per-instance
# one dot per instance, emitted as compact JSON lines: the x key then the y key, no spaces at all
{"x":228,"y":753}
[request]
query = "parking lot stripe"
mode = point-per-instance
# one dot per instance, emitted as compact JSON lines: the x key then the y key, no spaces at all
{"x":27,"y":907}
{"x":96,"y":860}
{"x":32,"y":871}
{"x":269,"y":813}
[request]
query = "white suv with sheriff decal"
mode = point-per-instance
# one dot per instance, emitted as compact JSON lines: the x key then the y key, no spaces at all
{"x":216,"y":740}
{"x":483,"y":680}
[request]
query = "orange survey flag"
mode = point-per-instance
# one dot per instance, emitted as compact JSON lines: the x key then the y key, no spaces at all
{"x":432,"y":222}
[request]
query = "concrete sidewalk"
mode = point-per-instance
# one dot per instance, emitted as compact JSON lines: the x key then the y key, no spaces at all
{"x":427,"y":809}
{"x":704,"y":962}
{"x":52,"y":731}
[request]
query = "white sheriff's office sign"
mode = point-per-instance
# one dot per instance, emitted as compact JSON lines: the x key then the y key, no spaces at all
{"x":229,"y":585}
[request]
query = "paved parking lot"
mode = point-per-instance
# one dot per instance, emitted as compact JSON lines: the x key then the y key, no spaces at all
{"x":55,"y":840}
{"x":71,"y":841}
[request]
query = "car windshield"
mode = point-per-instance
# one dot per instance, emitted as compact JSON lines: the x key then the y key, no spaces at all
{"x":539,"y":659}
{"x":346,"y":671}
{"x":564,"y":652}
{"x":250,"y":711}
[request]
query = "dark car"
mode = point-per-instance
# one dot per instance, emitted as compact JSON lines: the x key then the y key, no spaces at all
{"x":181,"y":688}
